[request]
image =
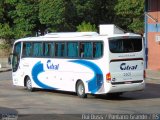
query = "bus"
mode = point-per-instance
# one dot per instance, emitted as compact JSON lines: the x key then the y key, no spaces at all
{"x":81,"y":62}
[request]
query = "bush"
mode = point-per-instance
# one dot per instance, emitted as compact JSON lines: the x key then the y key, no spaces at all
{"x":4,"y":46}
{"x":6,"y":32}
{"x":5,"y":50}
{"x":86,"y":27}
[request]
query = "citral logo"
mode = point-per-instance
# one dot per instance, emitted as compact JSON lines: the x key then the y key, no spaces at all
{"x":52,"y":66}
{"x":123,"y":66}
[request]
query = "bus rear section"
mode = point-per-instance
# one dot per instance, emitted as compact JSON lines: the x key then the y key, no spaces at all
{"x":126,"y":64}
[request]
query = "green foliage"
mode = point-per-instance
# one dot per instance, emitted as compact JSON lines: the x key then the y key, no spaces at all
{"x":104,"y":12}
{"x":24,"y":14}
{"x":50,"y":11}
{"x":84,"y":10}
{"x":86,"y":27}
{"x":21,"y":18}
{"x":6,"y":32}
{"x":131,"y":14}
{"x":4,"y":46}
{"x":57,"y":14}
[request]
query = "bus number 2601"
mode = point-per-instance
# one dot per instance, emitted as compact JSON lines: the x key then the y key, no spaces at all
{"x":127,"y":74}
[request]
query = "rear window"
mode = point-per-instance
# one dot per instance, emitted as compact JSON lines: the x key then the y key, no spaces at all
{"x":125,"y":45}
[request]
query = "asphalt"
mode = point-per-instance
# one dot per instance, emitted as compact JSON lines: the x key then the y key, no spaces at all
{"x":152,"y":76}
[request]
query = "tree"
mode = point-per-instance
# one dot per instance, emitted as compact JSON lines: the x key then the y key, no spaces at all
{"x":84,"y":10}
{"x":95,"y":11}
{"x":104,"y":12}
{"x":24,"y":14}
{"x":21,"y":18}
{"x":131,"y":14}
{"x":6,"y":32}
{"x":57,"y":15}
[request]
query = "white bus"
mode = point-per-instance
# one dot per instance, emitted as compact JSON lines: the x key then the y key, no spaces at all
{"x":81,"y":62}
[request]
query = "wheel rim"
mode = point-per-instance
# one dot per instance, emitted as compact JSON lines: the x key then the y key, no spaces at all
{"x":29,"y":84}
{"x":81,"y":89}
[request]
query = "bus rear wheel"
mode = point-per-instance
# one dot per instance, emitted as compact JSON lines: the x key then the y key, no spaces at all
{"x":29,"y":84}
{"x":80,"y":89}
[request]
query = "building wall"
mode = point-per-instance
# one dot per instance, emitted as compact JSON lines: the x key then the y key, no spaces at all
{"x":153,"y":30}
{"x":153,"y":52}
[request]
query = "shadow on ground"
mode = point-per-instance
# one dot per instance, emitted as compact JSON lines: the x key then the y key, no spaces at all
{"x":151,"y":91}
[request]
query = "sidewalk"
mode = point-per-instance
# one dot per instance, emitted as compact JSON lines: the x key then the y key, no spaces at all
{"x":5,"y":69}
{"x":153,"y":76}
{"x":4,"y":66}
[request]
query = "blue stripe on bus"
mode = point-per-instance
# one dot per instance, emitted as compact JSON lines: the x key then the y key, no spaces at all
{"x":96,"y":82}
{"x":37,"y":69}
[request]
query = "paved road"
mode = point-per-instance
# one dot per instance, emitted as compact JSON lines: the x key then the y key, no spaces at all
{"x":5,"y":75}
{"x":53,"y":102}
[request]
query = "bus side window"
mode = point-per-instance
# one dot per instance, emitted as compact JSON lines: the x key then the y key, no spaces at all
{"x":72,"y":49}
{"x":48,"y":49}
{"x":37,"y":49}
{"x":97,"y":49}
{"x":81,"y":50}
{"x":27,"y":49}
{"x":60,"y":49}
{"x":86,"y":50}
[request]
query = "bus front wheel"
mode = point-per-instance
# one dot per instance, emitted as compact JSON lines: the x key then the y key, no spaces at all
{"x":29,"y":84}
{"x":80,"y":89}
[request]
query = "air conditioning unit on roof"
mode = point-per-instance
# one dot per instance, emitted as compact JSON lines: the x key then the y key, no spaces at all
{"x":110,"y":29}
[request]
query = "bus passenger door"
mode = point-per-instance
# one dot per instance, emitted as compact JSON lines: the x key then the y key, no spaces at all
{"x":15,"y":63}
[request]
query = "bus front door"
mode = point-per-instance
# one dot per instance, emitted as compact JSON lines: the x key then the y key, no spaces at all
{"x":15,"y":62}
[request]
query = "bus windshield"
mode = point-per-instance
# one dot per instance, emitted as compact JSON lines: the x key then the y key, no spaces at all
{"x":125,"y":45}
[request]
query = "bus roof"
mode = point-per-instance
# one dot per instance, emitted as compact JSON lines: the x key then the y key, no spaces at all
{"x":76,"y":36}
{"x":70,"y":34}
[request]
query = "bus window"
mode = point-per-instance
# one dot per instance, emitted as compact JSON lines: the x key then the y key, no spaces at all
{"x":97,"y":49}
{"x":86,"y":49}
{"x":16,"y":56}
{"x":72,"y":49}
{"x":37,"y":49}
{"x":60,"y":49}
{"x":48,"y":49}
{"x":125,"y":45}
{"x":27,"y":49}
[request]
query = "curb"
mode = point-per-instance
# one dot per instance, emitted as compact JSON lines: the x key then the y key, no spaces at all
{"x":5,"y":70}
{"x":152,"y":78}
{"x":152,"y":82}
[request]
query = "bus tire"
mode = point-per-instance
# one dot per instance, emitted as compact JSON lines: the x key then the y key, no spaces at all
{"x":80,"y":89}
{"x":29,"y":84}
